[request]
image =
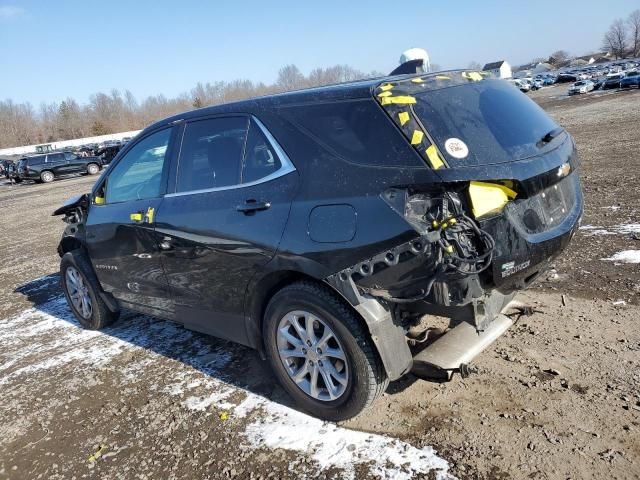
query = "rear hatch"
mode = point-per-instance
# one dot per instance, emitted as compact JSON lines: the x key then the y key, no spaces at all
{"x":471,"y":120}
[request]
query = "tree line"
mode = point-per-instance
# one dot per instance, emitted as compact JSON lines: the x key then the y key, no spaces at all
{"x":22,"y":124}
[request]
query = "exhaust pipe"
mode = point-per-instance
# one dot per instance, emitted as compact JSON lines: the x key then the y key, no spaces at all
{"x":455,"y":349}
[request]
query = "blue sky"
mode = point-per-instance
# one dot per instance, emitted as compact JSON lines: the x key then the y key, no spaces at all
{"x":50,"y":50}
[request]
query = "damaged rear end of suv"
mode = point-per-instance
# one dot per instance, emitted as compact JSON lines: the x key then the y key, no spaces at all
{"x":359,"y":216}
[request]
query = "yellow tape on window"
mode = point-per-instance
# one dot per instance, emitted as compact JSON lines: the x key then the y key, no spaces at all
{"x":434,"y":159}
{"x":403,"y":117}
{"x":399,"y":100}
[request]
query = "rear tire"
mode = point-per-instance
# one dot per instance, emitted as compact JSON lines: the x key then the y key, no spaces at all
{"x":79,"y":280}
{"x":93,"y":168}
{"x":362,"y":375}
{"x":47,"y":177}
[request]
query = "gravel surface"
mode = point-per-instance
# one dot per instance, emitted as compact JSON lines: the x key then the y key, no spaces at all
{"x":557,"y":397}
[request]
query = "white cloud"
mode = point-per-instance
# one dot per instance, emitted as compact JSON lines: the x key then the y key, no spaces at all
{"x":8,"y":11}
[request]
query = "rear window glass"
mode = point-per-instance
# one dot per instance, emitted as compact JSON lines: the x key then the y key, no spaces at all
{"x":495,"y":120}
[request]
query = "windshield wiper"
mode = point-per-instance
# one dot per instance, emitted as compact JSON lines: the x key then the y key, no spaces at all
{"x":548,"y":137}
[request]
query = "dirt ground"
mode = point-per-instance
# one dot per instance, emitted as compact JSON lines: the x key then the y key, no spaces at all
{"x":557,"y":397}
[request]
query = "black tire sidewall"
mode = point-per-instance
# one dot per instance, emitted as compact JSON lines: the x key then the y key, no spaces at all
{"x":354,"y":399}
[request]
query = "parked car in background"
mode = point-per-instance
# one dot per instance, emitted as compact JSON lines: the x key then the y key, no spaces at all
{"x":523,"y":86}
{"x":45,"y":168}
{"x":631,"y":80}
{"x":583,"y":86}
{"x":613,"y":81}
{"x":566,"y":77}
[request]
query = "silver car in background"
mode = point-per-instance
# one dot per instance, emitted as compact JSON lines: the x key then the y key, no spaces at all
{"x":582,"y":86}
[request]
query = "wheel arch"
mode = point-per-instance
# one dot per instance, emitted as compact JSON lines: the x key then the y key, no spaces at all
{"x":388,"y":338}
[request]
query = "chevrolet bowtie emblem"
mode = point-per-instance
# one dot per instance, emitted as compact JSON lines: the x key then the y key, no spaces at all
{"x":564,"y":170}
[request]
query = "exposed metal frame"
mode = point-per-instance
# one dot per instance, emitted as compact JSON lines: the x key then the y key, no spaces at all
{"x":286,"y":167}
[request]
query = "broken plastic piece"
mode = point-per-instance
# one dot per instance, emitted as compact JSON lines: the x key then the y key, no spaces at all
{"x":97,"y":454}
{"x":403,"y":117}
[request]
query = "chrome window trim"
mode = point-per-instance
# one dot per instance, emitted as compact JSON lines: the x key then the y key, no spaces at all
{"x":286,"y":167}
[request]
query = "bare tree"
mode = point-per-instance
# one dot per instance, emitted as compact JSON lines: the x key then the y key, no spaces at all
{"x":559,"y":57}
{"x":290,"y":78}
{"x":474,"y":66}
{"x":615,"y":40}
{"x":634,"y":32}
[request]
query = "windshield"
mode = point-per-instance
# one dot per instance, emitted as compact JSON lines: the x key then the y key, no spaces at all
{"x":492,"y":119}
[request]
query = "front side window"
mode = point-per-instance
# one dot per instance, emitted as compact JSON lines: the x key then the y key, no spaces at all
{"x":138,"y":175}
{"x":211,"y":153}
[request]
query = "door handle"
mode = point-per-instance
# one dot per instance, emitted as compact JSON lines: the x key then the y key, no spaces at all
{"x":252,"y":205}
{"x":141,"y":215}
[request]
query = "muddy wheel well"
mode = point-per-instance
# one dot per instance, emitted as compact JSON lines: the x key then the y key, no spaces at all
{"x":68,"y":244}
{"x":268,"y":287}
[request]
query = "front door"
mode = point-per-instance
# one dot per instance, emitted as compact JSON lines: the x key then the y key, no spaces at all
{"x":120,"y":226}
{"x":224,"y":221}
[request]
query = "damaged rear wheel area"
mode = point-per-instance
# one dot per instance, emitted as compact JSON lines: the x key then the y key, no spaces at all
{"x":321,"y":352}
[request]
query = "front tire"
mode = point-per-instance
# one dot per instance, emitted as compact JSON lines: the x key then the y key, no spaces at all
{"x":321,"y":353}
{"x":82,"y":291}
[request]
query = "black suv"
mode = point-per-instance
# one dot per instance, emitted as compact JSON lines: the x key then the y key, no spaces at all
{"x":46,"y":167}
{"x":327,"y":227}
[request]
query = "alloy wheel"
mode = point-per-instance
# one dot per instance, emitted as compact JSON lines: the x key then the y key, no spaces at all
{"x":312,"y":355}
{"x":78,"y":292}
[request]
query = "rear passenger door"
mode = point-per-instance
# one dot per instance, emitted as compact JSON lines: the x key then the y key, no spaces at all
{"x":223,"y":221}
{"x":56,"y":163}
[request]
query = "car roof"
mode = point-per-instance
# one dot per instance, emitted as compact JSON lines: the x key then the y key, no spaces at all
{"x":336,"y":92}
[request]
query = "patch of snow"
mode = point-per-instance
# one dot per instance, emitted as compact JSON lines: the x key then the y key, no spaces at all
{"x":332,"y":446}
{"x":626,"y":256}
{"x":48,"y":337}
{"x":612,"y":207}
{"x":623,"y":229}
{"x":619,"y":302}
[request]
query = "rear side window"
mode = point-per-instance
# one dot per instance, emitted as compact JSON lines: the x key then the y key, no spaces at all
{"x":36,"y":160}
{"x":260,"y":159}
{"x":211,"y":153}
{"x":55,"y":157}
{"x":356,"y":131}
